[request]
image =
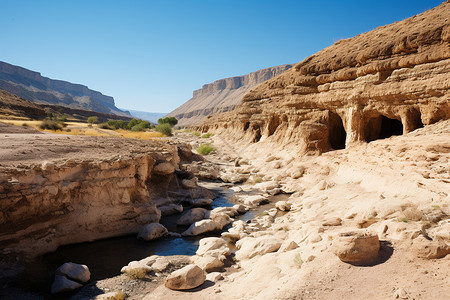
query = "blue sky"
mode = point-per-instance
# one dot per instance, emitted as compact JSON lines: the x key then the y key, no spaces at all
{"x":151,"y":55}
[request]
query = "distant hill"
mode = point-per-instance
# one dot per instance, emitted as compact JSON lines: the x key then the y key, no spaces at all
{"x":15,"y":107}
{"x":148,"y":116}
{"x":221,"y":95}
{"x":32,"y":86}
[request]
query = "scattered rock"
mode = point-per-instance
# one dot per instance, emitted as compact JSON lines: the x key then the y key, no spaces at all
{"x":214,"y":276}
{"x":116,"y":295}
{"x":357,"y":247}
{"x":164,"y":168}
{"x":332,"y":222}
{"x":241,"y":209}
{"x":62,"y":284}
{"x":152,"y":231}
{"x":74,"y":271}
{"x":283,"y":206}
{"x":424,"y":248}
{"x":200,"y":227}
{"x":211,"y":243}
{"x":288,"y":246}
{"x":200,"y":202}
{"x":192,"y":216}
{"x":250,"y":247}
{"x":171,"y":209}
{"x":136,"y":265}
{"x":207,"y":263}
{"x":253,"y":200}
{"x":186,"y":278}
{"x":188,"y":183}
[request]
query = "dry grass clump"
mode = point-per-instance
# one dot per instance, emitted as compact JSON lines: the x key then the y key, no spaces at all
{"x":143,"y":135}
{"x":138,"y":273}
{"x":51,"y":125}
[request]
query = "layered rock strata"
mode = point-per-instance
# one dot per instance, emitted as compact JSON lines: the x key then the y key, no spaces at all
{"x":385,"y":82}
{"x":34,"y":87}
{"x":77,"y":189}
{"x":221,"y":96}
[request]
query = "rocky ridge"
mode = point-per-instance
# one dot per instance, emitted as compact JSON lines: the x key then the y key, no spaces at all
{"x":221,"y":96}
{"x":32,"y":86}
{"x":388,"y":81}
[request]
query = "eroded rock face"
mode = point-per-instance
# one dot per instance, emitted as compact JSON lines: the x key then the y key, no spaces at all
{"x":221,"y":95}
{"x":353,"y":91}
{"x":46,"y":205}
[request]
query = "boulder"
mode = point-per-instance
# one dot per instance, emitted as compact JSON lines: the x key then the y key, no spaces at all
{"x":164,"y":168}
{"x":267,"y":186}
{"x":424,"y":248}
{"x":200,"y":202}
{"x":207,"y":263}
{"x":162,"y":264}
{"x":171,"y":209}
{"x":136,"y":265}
{"x":253,"y":200}
{"x":192,"y":216}
{"x":211,"y":243}
{"x":188,"y":183}
{"x":250,"y":247}
{"x":201,"y":227}
{"x":74,"y":271}
{"x":62,"y":284}
{"x":283,"y":206}
{"x":214,"y":276}
{"x":357,"y":247}
{"x":230,"y":211}
{"x":152,"y":231}
{"x":241,"y":209}
{"x":288,"y":246}
{"x":186,"y":278}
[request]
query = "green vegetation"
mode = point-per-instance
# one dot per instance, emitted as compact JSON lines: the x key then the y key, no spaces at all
{"x":405,"y":220}
{"x":172,"y":121}
{"x":205,"y":149}
{"x":164,"y":129}
{"x":197,"y":133}
{"x":92,"y":120}
{"x":117,"y":124}
{"x":206,"y":135}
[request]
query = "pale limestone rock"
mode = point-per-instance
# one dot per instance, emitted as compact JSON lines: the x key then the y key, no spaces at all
{"x":200,"y":227}
{"x":332,"y":222}
{"x":191,"y":216}
{"x":250,"y":247}
{"x":111,"y":296}
{"x":74,"y":271}
{"x":61,"y":284}
{"x":152,"y":231}
{"x":357,"y":247}
{"x":137,"y":265}
{"x":186,"y":278}
{"x":207,"y":263}
{"x":240,"y":208}
{"x":211,"y":243}
{"x":214,"y":276}
{"x":283,"y":206}
{"x":288,"y":246}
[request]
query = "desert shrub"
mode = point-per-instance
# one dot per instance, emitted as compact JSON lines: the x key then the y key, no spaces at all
{"x":105,"y":126}
{"x":138,"y":273}
{"x":206,"y":135}
{"x":172,"y":121}
{"x":197,"y":133}
{"x":25,"y":124}
{"x":51,"y":125}
{"x":117,"y":124}
{"x":164,"y":129}
{"x":142,"y":125}
{"x":62,"y":118}
{"x":205,"y":149}
{"x":93,"y":120}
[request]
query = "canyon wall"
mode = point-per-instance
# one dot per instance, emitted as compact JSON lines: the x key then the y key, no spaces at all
{"x":32,"y":86}
{"x":83,"y":198}
{"x":385,"y":82}
{"x":221,"y":96}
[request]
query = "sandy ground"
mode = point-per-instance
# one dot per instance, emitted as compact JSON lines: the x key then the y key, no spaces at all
{"x":397,"y":188}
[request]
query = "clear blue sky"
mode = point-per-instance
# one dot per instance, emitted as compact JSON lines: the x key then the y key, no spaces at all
{"x":151,"y":55}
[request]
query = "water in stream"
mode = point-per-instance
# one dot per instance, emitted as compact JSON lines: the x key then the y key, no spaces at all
{"x":105,"y":258}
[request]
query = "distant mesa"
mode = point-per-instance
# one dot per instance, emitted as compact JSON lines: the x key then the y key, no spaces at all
{"x":32,"y":86}
{"x":221,"y":96}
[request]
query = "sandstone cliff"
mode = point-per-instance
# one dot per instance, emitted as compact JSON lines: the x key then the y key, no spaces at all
{"x":32,"y":86}
{"x":57,"y":190}
{"x":221,"y":96}
{"x":385,"y":82}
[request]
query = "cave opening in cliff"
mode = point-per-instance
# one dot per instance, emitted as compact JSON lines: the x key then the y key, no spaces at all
{"x":336,"y":131}
{"x":382,"y":127}
{"x":246,"y":126}
{"x":257,"y":135}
